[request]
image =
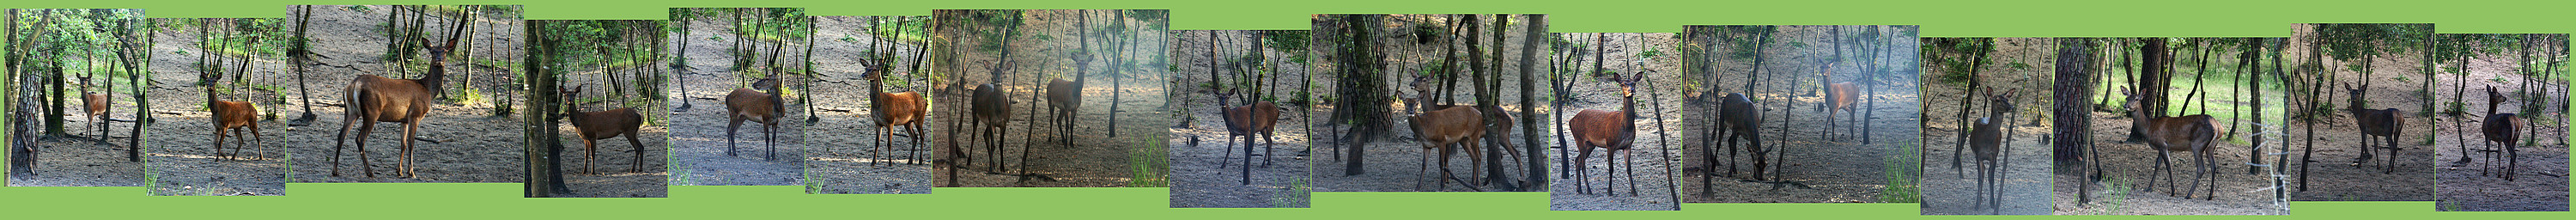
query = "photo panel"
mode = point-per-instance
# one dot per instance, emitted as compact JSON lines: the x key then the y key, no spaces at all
{"x":1801,"y":113}
{"x":872,"y":100}
{"x":1242,"y":90}
{"x":604,"y":76}
{"x":222,"y":79}
{"x":1617,"y":103}
{"x":91,"y":53}
{"x":745,"y":83}
{"x":2503,"y":143}
{"x":1997,"y":127}
{"x":2346,"y":76}
{"x":1408,"y":87}
{"x":2203,"y":107}
{"x":1099,"y":78}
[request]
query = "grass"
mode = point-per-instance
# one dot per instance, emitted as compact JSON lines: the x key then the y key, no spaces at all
{"x":1144,"y":166}
{"x":2118,"y":196}
{"x":1903,"y":169}
{"x":1299,"y":195}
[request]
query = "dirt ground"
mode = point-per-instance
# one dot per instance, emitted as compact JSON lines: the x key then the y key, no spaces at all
{"x":184,"y":162}
{"x":1206,"y":163}
{"x":2026,"y":189}
{"x":1844,"y":170}
{"x":1652,"y":154}
{"x":845,"y":157}
{"x":1396,"y":162}
{"x":698,"y":149}
{"x":2331,"y":174}
{"x":1093,"y":157}
{"x":471,"y":144}
{"x":2541,"y":181}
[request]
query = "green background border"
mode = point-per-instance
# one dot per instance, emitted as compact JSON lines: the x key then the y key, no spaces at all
{"x":2172,"y":18}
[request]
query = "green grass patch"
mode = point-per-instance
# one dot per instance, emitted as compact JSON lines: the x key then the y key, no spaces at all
{"x":1146,"y":166}
{"x":1903,"y":170}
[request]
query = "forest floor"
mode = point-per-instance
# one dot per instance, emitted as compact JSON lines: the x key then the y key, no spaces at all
{"x":846,"y":158}
{"x":2540,"y":183}
{"x":1645,"y":177}
{"x":184,"y":161}
{"x":2025,"y":169}
{"x":700,"y":151}
{"x":2331,"y":174}
{"x":1093,"y":157}
{"x":1845,"y":169}
{"x":455,"y":143}
{"x":1207,"y":164}
{"x":1396,"y":162}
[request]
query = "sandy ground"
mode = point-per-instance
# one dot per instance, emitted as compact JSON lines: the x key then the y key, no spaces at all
{"x":699,"y":148}
{"x":1396,"y":162}
{"x":1090,"y":156}
{"x":2331,"y":174}
{"x":846,"y":157}
{"x":2540,"y":183}
{"x":1647,"y":165}
{"x":1948,"y":191}
{"x":1848,"y":168}
{"x":472,"y":145}
{"x":184,"y":161}
{"x":1207,"y":165}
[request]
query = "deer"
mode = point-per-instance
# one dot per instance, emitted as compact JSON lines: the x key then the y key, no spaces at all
{"x":1496,"y":119}
{"x":1839,"y":96}
{"x":235,"y":117}
{"x":1737,"y":119}
{"x":2189,"y":133}
{"x":2375,"y":124}
{"x":1611,"y":131}
{"x":1251,"y":119}
{"x":762,"y":106}
{"x":904,"y":109}
{"x":2499,"y":127}
{"x":1440,"y":129}
{"x":992,"y":111}
{"x":374,"y":99}
{"x":94,"y":106}
{"x":1987,"y":140}
{"x":1063,"y":99}
{"x":601,"y":125}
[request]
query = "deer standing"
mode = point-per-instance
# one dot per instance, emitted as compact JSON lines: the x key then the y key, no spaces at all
{"x":1612,"y":131}
{"x":1256,"y":118}
{"x":763,"y":106}
{"x":375,"y":99}
{"x":2189,"y":133}
{"x":1441,"y":129}
{"x":2500,"y":127}
{"x":1063,"y":98}
{"x":601,"y":125}
{"x":894,"y":109}
{"x":2375,"y":124}
{"x":1988,"y":140}
{"x":992,"y":112}
{"x":235,"y":117}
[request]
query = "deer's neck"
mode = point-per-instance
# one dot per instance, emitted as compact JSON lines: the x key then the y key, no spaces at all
{"x":2491,"y":105}
{"x":437,"y":76}
{"x":572,"y":111}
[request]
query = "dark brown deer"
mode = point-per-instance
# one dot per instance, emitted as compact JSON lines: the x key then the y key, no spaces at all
{"x":1988,"y":142}
{"x":375,"y":99}
{"x":235,"y":117}
{"x":904,"y":109}
{"x":2376,"y":125}
{"x":2500,"y":127}
{"x":601,"y":125}
{"x":1840,"y":96}
{"x":763,"y":106}
{"x":1736,"y":118}
{"x":2189,"y":133}
{"x":1444,"y":128}
{"x":992,"y":111}
{"x":1256,"y":118}
{"x":1611,"y":131}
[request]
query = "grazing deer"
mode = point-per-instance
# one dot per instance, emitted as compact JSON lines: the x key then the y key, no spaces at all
{"x":1840,"y":96}
{"x":2500,"y":127}
{"x":2189,"y":133}
{"x":2375,"y":124}
{"x":375,"y":99}
{"x":1987,"y":140}
{"x":1256,"y":118}
{"x":763,"y":106}
{"x":1440,"y":129}
{"x":895,"y":109}
{"x":1613,"y":132}
{"x":601,"y":125}
{"x":235,"y":117}
{"x":992,"y":112}
{"x":1736,"y":118}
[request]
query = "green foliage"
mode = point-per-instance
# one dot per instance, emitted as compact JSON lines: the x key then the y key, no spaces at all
{"x":1903,"y":170}
{"x":1145,"y":165}
{"x":358,"y":8}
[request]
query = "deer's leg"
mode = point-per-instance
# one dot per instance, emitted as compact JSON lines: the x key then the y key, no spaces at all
{"x":340,"y":140}
{"x":2164,"y":170}
{"x":769,"y":138}
{"x":219,"y":141}
{"x":2391,"y":165}
{"x":365,"y":164}
{"x":1632,"y":169}
{"x":639,"y":151}
{"x":1266,"y":136}
{"x":1583,"y":165}
{"x":591,"y":158}
{"x":408,"y":165}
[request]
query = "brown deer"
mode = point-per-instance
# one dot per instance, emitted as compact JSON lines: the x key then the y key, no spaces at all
{"x":1063,"y":99}
{"x":1988,"y":142}
{"x":1496,"y":119}
{"x":1737,"y":119}
{"x":2375,"y":124}
{"x":1440,"y":129}
{"x":1611,"y":131}
{"x":992,"y":111}
{"x":895,"y":109}
{"x":94,"y":106}
{"x":235,"y":117}
{"x":2500,"y":127}
{"x":375,"y":99}
{"x":1256,"y":118}
{"x":763,"y":106}
{"x":1840,"y":96}
{"x":601,"y":125}
{"x":2189,"y":133}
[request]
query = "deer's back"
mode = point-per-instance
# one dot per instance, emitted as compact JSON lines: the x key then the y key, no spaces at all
{"x":610,"y":123}
{"x":2501,"y":127}
{"x":391,"y":100}
{"x":747,"y":103}
{"x":900,"y":108}
{"x":2181,"y":133}
{"x":234,"y":114}
{"x":1449,"y":125}
{"x":1064,"y":94}
{"x":1736,"y":111}
{"x":1598,"y":128}
{"x":2380,"y":122}
{"x":94,"y":103}
{"x":1842,"y":95}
